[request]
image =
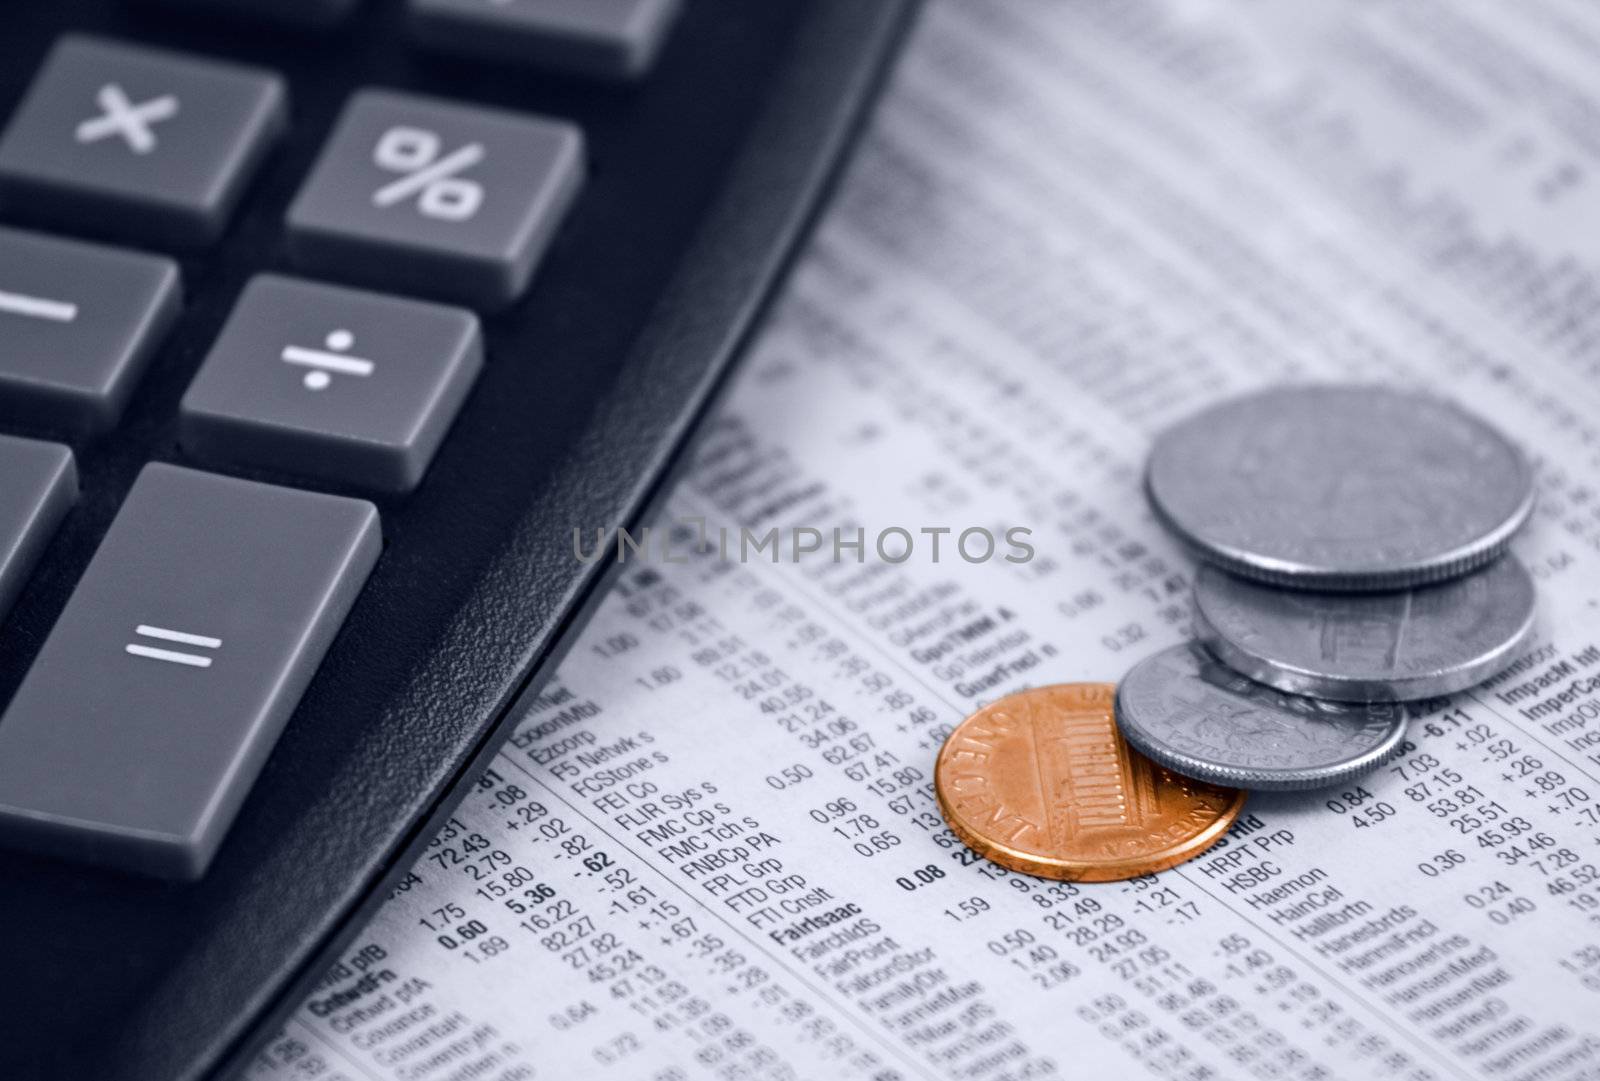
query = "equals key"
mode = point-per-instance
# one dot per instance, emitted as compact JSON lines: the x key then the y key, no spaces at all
{"x":146,"y":716}
{"x":172,"y":656}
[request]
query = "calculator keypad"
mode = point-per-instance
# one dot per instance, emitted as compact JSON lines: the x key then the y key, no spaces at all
{"x":143,"y":142}
{"x":139,"y":727}
{"x":436,"y":198}
{"x":78,"y":323}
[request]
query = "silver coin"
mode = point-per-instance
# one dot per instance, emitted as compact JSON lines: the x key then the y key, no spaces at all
{"x":1340,"y":487}
{"x":1191,"y":713}
{"x":1368,"y":647}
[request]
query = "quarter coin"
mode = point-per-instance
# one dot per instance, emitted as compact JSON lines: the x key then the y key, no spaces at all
{"x":1368,"y":647}
{"x":1191,"y":713}
{"x":1340,"y":487}
{"x":1041,"y":782}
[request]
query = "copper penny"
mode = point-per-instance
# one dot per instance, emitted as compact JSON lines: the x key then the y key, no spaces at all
{"x":1042,"y":782}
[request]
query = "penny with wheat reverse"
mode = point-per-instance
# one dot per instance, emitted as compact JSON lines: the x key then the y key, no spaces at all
{"x":1042,"y":782}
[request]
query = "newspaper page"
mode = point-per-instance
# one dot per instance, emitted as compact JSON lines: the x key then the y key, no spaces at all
{"x":711,"y":849}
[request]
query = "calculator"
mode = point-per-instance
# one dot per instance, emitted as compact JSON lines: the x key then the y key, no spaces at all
{"x":325,"y":327}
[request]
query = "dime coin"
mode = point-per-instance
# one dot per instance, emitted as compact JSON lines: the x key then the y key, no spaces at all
{"x":1041,"y":782}
{"x":1189,"y":712}
{"x":1340,"y":487}
{"x":1368,"y":647}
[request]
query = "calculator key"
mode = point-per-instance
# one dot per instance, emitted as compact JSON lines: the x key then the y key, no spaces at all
{"x":334,"y":383}
{"x":78,"y":322}
{"x":38,"y":484}
{"x":152,"y":706}
{"x":436,"y":198}
{"x":615,"y":39}
{"x":138,"y":141}
{"x":314,"y":13}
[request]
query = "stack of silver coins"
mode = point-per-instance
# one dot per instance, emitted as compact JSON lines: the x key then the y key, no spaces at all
{"x":1353,"y":545}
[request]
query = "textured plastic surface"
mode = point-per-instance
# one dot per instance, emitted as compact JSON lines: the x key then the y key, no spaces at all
{"x":319,"y":13}
{"x":705,"y":178}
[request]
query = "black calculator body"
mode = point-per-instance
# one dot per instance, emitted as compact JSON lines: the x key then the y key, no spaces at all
{"x":400,"y":586}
